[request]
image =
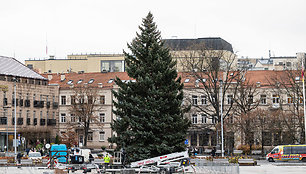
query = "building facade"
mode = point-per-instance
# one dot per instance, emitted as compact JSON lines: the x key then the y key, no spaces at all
{"x":35,"y":107}
{"x":83,"y":63}
{"x":102,"y":115}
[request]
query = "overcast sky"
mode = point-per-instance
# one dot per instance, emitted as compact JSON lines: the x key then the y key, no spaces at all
{"x":253,"y":27}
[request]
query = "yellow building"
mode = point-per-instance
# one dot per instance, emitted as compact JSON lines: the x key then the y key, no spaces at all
{"x":84,"y":63}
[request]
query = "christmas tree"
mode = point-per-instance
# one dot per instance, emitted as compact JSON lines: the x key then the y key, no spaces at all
{"x":150,"y":118}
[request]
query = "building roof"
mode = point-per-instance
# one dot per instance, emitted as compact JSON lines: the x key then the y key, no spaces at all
{"x":214,"y":43}
{"x":263,"y":77}
{"x":93,"y":79}
{"x":10,"y":66}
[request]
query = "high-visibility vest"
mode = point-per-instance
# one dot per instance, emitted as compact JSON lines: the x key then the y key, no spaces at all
{"x":106,"y":159}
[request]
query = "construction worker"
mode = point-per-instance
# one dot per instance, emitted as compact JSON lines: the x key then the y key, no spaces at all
{"x":106,"y":160}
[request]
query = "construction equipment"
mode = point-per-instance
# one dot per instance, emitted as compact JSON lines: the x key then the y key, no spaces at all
{"x":163,"y":164}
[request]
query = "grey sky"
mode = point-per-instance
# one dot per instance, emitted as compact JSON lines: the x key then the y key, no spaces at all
{"x":100,"y":26}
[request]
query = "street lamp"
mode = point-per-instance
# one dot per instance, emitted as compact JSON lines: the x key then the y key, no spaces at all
{"x":15,"y":121}
{"x":222,"y":143}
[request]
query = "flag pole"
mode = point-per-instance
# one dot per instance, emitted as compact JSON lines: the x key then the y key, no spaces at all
{"x":304,"y":98}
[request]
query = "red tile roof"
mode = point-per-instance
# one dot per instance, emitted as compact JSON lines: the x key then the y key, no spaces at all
{"x":265,"y":77}
{"x":103,"y":78}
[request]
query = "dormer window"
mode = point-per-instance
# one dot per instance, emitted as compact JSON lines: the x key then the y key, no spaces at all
{"x":91,"y":81}
{"x":186,"y":80}
{"x":80,"y":81}
{"x":70,"y":82}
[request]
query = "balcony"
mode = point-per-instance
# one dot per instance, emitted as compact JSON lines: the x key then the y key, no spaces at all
{"x":48,"y":104}
{"x":55,"y":105}
{"x":41,"y":104}
{"x":42,"y":122}
{"x":51,"y":122}
{"x":13,"y":102}
{"x":19,"y":121}
{"x":27,"y":103}
{"x":28,"y":121}
{"x":21,"y":102}
{"x":3,"y":120}
{"x":36,"y":103}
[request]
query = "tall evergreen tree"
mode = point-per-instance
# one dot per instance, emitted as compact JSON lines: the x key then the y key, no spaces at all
{"x":150,"y":116}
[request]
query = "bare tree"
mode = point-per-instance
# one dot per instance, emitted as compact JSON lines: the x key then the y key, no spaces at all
{"x":70,"y":137}
{"x":288,"y":83}
{"x":210,"y":70}
{"x":84,"y":107}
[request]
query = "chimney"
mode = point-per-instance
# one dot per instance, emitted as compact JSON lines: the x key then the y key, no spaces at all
{"x":63,"y":77}
{"x":100,"y":85}
{"x":50,"y":77}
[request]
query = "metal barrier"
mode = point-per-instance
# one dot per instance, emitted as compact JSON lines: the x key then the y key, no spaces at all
{"x":208,"y":167}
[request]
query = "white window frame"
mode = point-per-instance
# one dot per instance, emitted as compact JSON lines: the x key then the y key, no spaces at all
{"x":203,"y":100}
{"x":194,"y":100}
{"x":194,"y":119}
{"x":203,"y":118}
{"x":63,"y":117}
{"x":101,"y":136}
{"x":263,"y":99}
{"x":275,"y":99}
{"x":102,"y":117}
{"x":90,"y":135}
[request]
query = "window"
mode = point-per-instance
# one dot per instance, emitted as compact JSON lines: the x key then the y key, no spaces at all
{"x":194,"y":119}
{"x":186,"y":80}
{"x":63,"y":118}
{"x":195,"y":100}
{"x":204,"y":118}
{"x":203,"y":100}
{"x":91,"y":81}
{"x":110,"y":81}
{"x":101,"y":136}
{"x":301,"y":99}
{"x":213,"y":120}
{"x":72,"y":99}
{"x":72,"y":118}
{"x":80,"y":81}
{"x":70,"y":82}
{"x":112,"y":66}
{"x":102,"y":117}
{"x":90,"y":136}
{"x":250,"y":99}
{"x":90,"y":99}
{"x":275,"y":99}
{"x":289,"y":99}
{"x":63,"y":100}
{"x":263,"y":99}
{"x":230,"y":99}
{"x":102,"y":99}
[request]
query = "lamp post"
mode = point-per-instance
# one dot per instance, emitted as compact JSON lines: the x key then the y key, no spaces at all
{"x":15,"y":121}
{"x":222,"y":142}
